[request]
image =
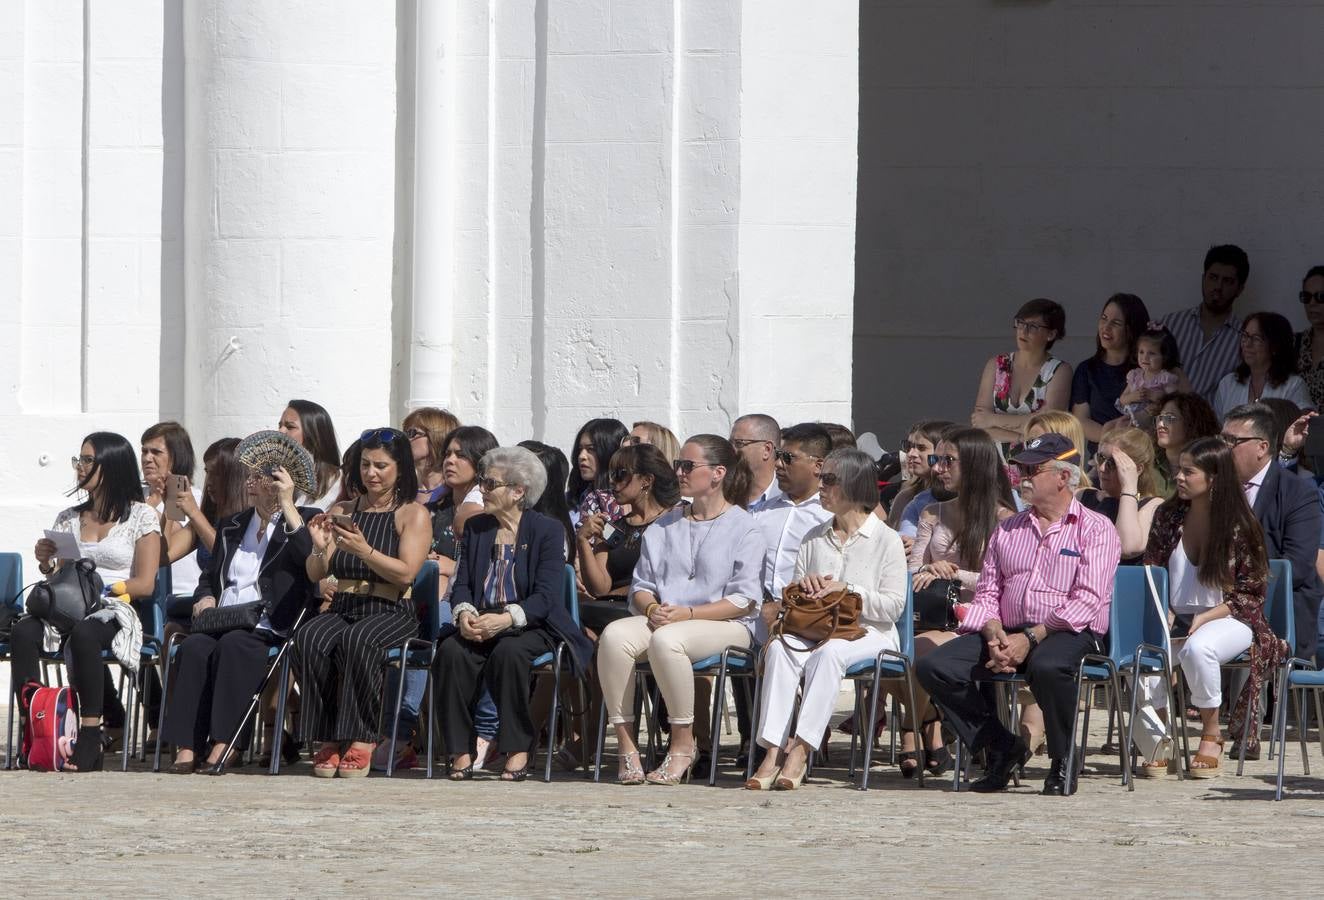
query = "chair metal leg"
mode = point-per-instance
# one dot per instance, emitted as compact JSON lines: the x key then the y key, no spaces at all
{"x":552,"y":717}
{"x":14,"y":700}
{"x":755,"y":707}
{"x":1115,"y":714}
{"x":602,"y":739}
{"x":124,"y":761}
{"x":1319,"y":716}
{"x":958,"y":765}
{"x":1279,"y":732}
{"x":1069,"y":771}
{"x":873,"y":713}
{"x":278,"y":733}
{"x":1301,"y":731}
{"x":715,"y":719}
{"x":1253,"y":711}
{"x":399,"y":703}
{"x":858,"y":715}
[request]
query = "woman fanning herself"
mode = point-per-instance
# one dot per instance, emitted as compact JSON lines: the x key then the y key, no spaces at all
{"x":1213,"y":549}
{"x":122,"y":535}
{"x":374,"y":545}
{"x":696,"y":591}
{"x":854,"y":551}
{"x":951,"y":542}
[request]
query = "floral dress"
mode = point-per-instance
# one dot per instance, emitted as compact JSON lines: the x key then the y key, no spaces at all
{"x":1034,"y":398}
{"x":1310,"y":366}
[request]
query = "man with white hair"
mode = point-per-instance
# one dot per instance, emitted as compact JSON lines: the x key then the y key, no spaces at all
{"x":1041,"y":604}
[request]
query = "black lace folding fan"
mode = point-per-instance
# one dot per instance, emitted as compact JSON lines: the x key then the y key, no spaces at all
{"x":267,"y":450}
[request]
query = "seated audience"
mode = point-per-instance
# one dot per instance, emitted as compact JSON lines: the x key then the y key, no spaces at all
{"x":1157,"y":374}
{"x":589,"y":491}
{"x":918,"y":447}
{"x":851,"y":550}
{"x":167,"y":451}
{"x":1054,"y":421}
{"x":261,"y":556}
{"x":756,"y":438}
{"x":1101,"y":379}
{"x":950,"y":545}
{"x":1267,"y":367}
{"x":1041,"y":603}
{"x":1128,"y":488}
{"x":696,"y":592}
{"x":1309,"y":365}
{"x":1207,"y":334}
{"x":660,"y":436}
{"x":427,"y":429}
{"x":1015,"y":385}
{"x":309,"y":426}
{"x":374,"y":557}
{"x":553,"y":503}
{"x":122,"y":535}
{"x":1183,"y":418}
{"x":1209,"y":541}
{"x":842,"y":437}
{"x":509,"y":609}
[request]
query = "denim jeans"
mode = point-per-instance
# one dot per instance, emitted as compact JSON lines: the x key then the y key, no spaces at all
{"x":485,"y":714}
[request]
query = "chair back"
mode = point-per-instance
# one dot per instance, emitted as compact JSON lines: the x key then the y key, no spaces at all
{"x":11,"y":580}
{"x":905,"y":626}
{"x":1135,"y":617}
{"x":1278,"y":602}
{"x":427,"y":600}
{"x":152,"y":612}
{"x":571,"y":594}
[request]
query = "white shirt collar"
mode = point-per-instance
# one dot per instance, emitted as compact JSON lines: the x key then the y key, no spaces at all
{"x":1258,"y":479}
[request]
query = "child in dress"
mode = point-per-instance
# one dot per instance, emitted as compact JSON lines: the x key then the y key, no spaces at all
{"x":1153,"y":379}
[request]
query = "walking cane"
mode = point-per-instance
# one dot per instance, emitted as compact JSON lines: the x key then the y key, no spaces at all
{"x":219,"y":768}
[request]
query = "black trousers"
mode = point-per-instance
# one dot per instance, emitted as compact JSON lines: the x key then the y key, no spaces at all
{"x":953,"y":673}
{"x":88,"y":675}
{"x":339,"y":656}
{"x":212,"y":686}
{"x":503,"y":666}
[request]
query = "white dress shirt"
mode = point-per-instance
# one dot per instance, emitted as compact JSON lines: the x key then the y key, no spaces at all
{"x":246,"y":564}
{"x":784,"y":524}
{"x":771,"y":494}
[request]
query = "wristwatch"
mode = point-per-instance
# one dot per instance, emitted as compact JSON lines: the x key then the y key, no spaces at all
{"x":1029,"y":636}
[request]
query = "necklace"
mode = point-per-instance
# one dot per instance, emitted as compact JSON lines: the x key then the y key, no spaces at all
{"x":694,"y":554}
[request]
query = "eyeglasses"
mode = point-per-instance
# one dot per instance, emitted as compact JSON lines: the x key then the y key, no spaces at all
{"x":1255,"y":339}
{"x":786,"y":457}
{"x":742,"y":443}
{"x":412,"y":433}
{"x":686,"y":466}
{"x":631,"y":440}
{"x":1167,"y":419}
{"x":488,"y":485}
{"x":945,"y":461}
{"x":1028,"y":327}
{"x":830,"y":479}
{"x":1234,"y":441}
{"x":1308,"y":297}
{"x":82,"y":461}
{"x":618,"y":475}
{"x":1102,"y":462}
{"x":380,"y":435}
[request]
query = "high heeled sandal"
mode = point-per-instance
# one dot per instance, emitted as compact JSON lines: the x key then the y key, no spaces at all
{"x":664,"y":776}
{"x":1209,"y":766}
{"x":89,"y":755}
{"x":326,"y":761}
{"x":631,"y":770}
{"x":515,"y":774}
{"x":1158,"y":765}
{"x":356,"y":763}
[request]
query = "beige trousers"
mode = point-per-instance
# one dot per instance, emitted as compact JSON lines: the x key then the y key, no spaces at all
{"x":672,"y":651}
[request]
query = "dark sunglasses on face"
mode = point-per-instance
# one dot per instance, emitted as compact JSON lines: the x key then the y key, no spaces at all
{"x":487,"y":485}
{"x":686,"y":466}
{"x":1104,"y":462}
{"x":830,"y":479}
{"x":945,"y":461}
{"x":619,"y":475}
{"x":1029,"y":470}
{"x":413,"y":433}
{"x":786,"y":457}
{"x":380,"y":435}
{"x":1311,"y":297}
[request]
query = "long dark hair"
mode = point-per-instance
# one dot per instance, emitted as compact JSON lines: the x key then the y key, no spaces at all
{"x":1134,"y":314}
{"x":1233,"y":528}
{"x":718,"y":451}
{"x":121,"y":482}
{"x":223,"y":491}
{"x":605,"y":436}
{"x":319,"y":439}
{"x":471,"y":443}
{"x":394,"y":442}
{"x":1282,"y":348}
{"x":645,"y":459}
{"x":984,"y":489}
{"x":552,"y":503}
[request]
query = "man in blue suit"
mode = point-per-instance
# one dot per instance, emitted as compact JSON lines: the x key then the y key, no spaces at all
{"x":1288,"y":507}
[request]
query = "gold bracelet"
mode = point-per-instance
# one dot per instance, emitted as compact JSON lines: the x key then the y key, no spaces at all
{"x":652,"y":606}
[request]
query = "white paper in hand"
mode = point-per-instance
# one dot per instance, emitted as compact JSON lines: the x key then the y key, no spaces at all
{"x":66,"y":545}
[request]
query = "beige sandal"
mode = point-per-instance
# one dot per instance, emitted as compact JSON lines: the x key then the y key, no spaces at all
{"x":1203,"y":766}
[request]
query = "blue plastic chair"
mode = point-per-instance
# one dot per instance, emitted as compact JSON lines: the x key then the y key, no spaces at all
{"x":418,"y":653}
{"x":552,"y":663}
{"x":11,"y":596}
{"x":1298,"y":675}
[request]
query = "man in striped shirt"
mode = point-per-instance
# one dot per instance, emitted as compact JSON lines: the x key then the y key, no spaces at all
{"x":1042,"y":603}
{"x":1208,"y":336}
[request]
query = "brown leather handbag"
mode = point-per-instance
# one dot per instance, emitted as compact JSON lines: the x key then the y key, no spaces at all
{"x":818,"y":620}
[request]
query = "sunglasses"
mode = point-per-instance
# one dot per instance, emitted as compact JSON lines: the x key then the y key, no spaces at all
{"x":686,"y":466}
{"x":1102,"y":462}
{"x":487,"y":485}
{"x":1309,"y":297}
{"x":618,"y":475}
{"x":415,"y":433}
{"x":786,"y":457}
{"x":1029,"y":470}
{"x":830,"y":479}
{"x":945,"y":461}
{"x":631,"y":440}
{"x":380,"y":435}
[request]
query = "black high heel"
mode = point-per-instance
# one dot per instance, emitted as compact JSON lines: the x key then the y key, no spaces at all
{"x":937,"y":761}
{"x":89,"y":755}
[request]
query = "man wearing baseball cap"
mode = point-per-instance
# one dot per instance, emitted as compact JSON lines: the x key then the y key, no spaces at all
{"x":1041,"y":604}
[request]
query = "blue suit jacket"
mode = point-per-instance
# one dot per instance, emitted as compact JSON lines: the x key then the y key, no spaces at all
{"x":1287,"y":507}
{"x":539,"y":575}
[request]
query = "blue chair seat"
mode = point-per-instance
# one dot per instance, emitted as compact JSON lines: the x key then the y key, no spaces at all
{"x":734,"y":662}
{"x":545,"y":660}
{"x":1306,"y":678}
{"x":890,"y":668}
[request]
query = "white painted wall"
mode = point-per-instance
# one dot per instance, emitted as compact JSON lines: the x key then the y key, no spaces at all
{"x":1070,"y":150}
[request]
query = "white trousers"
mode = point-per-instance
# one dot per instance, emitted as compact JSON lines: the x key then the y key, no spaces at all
{"x":822,"y":671}
{"x":1213,"y":644}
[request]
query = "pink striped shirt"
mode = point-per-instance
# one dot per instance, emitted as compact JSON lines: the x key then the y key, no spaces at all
{"x":1061,"y":578}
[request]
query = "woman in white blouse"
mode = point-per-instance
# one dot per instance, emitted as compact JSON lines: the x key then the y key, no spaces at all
{"x":854,"y":550}
{"x":1267,"y":368}
{"x":122,"y":535}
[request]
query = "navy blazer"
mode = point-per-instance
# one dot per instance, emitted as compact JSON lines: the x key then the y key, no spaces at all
{"x":1287,"y":507}
{"x":283,"y":576}
{"x":539,"y":576}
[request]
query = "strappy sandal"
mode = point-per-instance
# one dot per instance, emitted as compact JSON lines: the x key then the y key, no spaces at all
{"x":356,"y":763}
{"x":631,"y":771}
{"x":664,"y":776}
{"x":1204,"y":766}
{"x":326,"y":761}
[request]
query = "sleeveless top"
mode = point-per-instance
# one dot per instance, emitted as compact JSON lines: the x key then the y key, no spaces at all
{"x":1034,"y":398}
{"x":379,"y":530}
{"x":622,"y":559}
{"x":1188,"y":595}
{"x":1099,"y":502}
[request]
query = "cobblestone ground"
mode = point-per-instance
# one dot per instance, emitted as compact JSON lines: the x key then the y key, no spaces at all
{"x":247,"y":834}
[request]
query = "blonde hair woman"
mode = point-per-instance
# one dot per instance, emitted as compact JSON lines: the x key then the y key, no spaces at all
{"x":660,"y":436}
{"x":1128,"y":488}
{"x":1056,"y":421}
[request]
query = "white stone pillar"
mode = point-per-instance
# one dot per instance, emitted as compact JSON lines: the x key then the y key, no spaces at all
{"x":290,"y":160}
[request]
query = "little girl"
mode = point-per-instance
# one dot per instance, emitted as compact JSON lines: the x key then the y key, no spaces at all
{"x":1154,"y":378}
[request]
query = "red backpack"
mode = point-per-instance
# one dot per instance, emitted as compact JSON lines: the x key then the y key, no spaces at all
{"x":52,"y":729}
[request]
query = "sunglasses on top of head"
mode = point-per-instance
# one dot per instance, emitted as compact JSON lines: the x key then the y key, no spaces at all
{"x":380,"y":435}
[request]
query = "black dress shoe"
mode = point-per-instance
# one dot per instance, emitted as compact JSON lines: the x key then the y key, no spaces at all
{"x":1055,"y":785}
{"x":1002,"y":761}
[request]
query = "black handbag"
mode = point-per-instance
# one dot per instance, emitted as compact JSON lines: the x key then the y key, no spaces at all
{"x":67,"y":596}
{"x":220,"y":619}
{"x":935,"y":605}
